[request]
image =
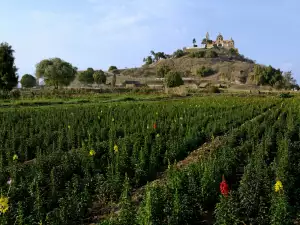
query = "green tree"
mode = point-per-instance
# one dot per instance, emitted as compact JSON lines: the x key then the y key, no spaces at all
{"x":161,"y":55}
{"x":288,"y":80}
{"x":86,"y":76}
{"x":148,"y":60}
{"x":114,"y":80}
{"x":179,"y":53}
{"x":205,"y":71}
{"x":99,"y":77}
{"x":267,"y":75}
{"x":173,"y":79}
{"x":56,"y":72}
{"x":112,"y":68}
{"x":155,"y":56}
{"x":194,"y":42}
{"x":162,"y":71}
{"x":8,"y":70}
{"x":28,"y":81}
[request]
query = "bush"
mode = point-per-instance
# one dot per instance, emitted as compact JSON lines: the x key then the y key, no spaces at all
{"x":205,"y":71}
{"x":199,"y":54}
{"x":173,"y":79}
{"x":179,"y":53}
{"x":15,"y":94}
{"x":162,"y":71}
{"x":213,"y":89}
{"x":211,"y":54}
{"x":285,"y":95}
{"x":112,"y":68}
{"x":233,"y":51}
{"x":28,"y":81}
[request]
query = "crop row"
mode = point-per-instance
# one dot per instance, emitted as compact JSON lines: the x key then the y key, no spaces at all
{"x":260,"y":168}
{"x":58,"y":160}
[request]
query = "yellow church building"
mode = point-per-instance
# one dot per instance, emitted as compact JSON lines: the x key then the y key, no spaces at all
{"x":219,"y":42}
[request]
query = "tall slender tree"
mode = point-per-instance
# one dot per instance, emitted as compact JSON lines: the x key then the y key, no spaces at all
{"x":194,"y":42}
{"x":8,"y":70}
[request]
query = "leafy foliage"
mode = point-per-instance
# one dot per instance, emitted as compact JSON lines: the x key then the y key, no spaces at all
{"x":28,"y":81}
{"x":112,"y":68}
{"x":86,"y":76}
{"x":162,"y":71}
{"x":56,"y":72}
{"x":205,"y":71}
{"x":8,"y":70}
{"x":173,"y":79}
{"x":204,"y":54}
{"x":148,"y":60}
{"x":274,"y":77}
{"x":178,"y":53}
{"x":99,"y":77}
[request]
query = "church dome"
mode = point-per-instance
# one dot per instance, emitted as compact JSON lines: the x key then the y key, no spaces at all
{"x":220,"y":37}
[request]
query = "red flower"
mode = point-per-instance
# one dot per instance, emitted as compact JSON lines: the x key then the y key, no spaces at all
{"x":154,"y":126}
{"x":224,"y":187}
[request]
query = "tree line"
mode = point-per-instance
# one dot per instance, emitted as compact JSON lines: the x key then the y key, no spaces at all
{"x":54,"y":71}
{"x":57,"y":72}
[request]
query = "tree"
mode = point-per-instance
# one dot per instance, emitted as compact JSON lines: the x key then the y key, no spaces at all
{"x":288,"y":80}
{"x":86,"y":76}
{"x":148,"y":60}
{"x":205,"y":71}
{"x":161,"y":55}
{"x":112,"y":68}
{"x":179,"y":53}
{"x":99,"y":77}
{"x":8,"y":70}
{"x":154,"y":55}
{"x":56,"y":72}
{"x":28,"y":81}
{"x":173,"y":79}
{"x":114,"y":80}
{"x":194,"y":42}
{"x":267,"y":75}
{"x":162,"y":71}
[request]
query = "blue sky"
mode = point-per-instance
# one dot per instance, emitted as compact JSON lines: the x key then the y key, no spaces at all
{"x":100,"y":33}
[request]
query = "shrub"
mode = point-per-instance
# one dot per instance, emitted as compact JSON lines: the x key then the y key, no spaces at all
{"x":162,"y":71}
{"x":213,"y":89}
{"x":15,"y":93}
{"x":199,"y":54}
{"x":285,"y":95}
{"x":173,"y":79}
{"x":179,"y":53}
{"x":211,"y":54}
{"x":112,"y":68}
{"x":233,"y":51}
{"x":205,"y":71}
{"x":28,"y":81}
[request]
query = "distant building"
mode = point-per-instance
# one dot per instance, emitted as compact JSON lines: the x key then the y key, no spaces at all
{"x":219,"y":42}
{"x":208,"y":43}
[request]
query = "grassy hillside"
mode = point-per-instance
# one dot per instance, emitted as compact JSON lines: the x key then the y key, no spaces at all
{"x":226,"y":66}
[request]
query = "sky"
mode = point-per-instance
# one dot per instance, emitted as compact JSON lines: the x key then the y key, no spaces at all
{"x":100,"y":33}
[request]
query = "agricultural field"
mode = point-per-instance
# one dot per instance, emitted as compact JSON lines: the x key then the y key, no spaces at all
{"x":195,"y":160}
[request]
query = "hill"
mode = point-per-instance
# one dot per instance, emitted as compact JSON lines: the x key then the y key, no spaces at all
{"x":224,"y":65}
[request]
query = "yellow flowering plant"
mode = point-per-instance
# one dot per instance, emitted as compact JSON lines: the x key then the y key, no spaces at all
{"x":116,"y":148}
{"x":3,"y":204}
{"x":15,"y":157}
{"x":92,"y":152}
{"x":278,"y":186}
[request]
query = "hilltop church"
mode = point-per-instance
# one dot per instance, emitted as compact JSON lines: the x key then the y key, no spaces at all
{"x":208,"y":43}
{"x":219,"y":42}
